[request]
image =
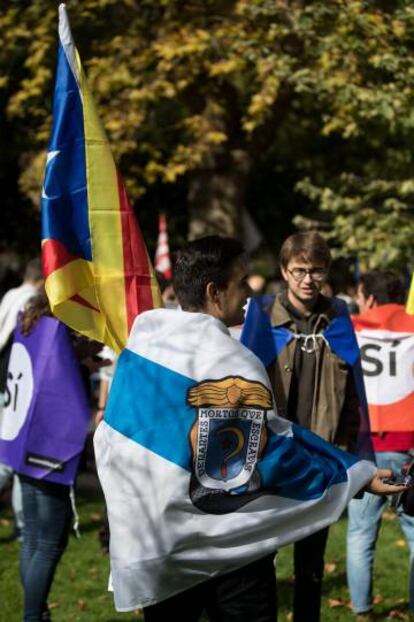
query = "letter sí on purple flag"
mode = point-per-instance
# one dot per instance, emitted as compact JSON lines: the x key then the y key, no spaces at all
{"x":45,"y":417}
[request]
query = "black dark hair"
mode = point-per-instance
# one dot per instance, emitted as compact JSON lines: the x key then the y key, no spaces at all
{"x":384,"y":285}
{"x":203,"y":261}
{"x":162,"y":281}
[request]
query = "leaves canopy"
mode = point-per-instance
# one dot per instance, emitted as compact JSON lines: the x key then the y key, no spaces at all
{"x":310,"y":103}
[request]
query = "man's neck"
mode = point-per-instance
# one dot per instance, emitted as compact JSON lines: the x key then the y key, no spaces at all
{"x":305,"y":308}
{"x":207,"y":309}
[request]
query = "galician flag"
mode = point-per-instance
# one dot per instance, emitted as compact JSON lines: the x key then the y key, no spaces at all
{"x":98,"y":273}
{"x":386,"y":339}
{"x":200,"y":475}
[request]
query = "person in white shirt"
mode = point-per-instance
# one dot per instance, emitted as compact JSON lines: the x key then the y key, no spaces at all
{"x":12,"y":303}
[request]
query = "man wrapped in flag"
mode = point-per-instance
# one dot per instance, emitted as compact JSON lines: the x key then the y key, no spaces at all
{"x":98,"y":274}
{"x":203,"y":481}
{"x":308,"y":345}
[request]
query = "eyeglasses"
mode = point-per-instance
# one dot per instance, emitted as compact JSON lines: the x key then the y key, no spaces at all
{"x":316,"y":274}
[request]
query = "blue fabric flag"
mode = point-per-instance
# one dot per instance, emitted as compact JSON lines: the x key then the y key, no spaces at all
{"x":266,"y":341}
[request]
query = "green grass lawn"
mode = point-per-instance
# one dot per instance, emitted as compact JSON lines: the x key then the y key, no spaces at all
{"x":79,"y":590}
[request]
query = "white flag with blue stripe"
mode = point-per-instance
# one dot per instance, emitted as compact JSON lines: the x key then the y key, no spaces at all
{"x":199,"y":473}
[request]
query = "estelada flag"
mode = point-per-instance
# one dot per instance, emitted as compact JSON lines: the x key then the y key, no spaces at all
{"x":386,"y":339}
{"x":162,"y":254}
{"x":45,"y":418}
{"x":98,"y":273}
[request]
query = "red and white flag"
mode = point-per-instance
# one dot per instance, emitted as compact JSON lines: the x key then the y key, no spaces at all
{"x":386,"y":339}
{"x":162,"y":254}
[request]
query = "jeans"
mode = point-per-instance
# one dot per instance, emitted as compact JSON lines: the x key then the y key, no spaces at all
{"x":6,"y":473}
{"x":364,"y":520}
{"x":47,"y":517}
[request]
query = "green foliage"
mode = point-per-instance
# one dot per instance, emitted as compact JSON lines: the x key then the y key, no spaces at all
{"x":368,"y":219}
{"x":364,"y":202}
{"x":313,"y":100}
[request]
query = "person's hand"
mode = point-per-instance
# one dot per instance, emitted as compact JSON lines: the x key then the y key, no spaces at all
{"x":94,"y":363}
{"x":378,"y":487}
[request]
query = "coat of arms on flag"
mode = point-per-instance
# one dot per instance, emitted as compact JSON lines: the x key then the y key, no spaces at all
{"x":227,"y":439}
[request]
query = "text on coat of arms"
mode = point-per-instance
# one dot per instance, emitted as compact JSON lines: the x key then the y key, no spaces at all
{"x":229,"y":434}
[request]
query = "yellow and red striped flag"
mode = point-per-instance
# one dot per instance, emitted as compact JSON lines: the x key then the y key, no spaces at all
{"x":410,"y":301}
{"x":97,"y":269}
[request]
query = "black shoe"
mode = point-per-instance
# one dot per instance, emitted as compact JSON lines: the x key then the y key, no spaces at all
{"x":17,"y":534}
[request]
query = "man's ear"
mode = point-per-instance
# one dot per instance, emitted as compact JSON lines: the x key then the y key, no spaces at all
{"x":212,"y":292}
{"x":284,"y":273}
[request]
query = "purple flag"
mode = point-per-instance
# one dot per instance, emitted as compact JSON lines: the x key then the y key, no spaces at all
{"x":44,"y":422}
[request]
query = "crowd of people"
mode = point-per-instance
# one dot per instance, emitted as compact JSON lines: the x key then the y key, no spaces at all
{"x":331,"y":385}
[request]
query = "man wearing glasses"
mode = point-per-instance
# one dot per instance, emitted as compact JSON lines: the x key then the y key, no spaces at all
{"x":312,"y":386}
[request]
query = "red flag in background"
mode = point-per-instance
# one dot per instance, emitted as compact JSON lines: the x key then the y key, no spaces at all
{"x":162,"y":261}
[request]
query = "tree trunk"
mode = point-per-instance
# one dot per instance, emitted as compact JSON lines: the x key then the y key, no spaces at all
{"x":216,"y":197}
